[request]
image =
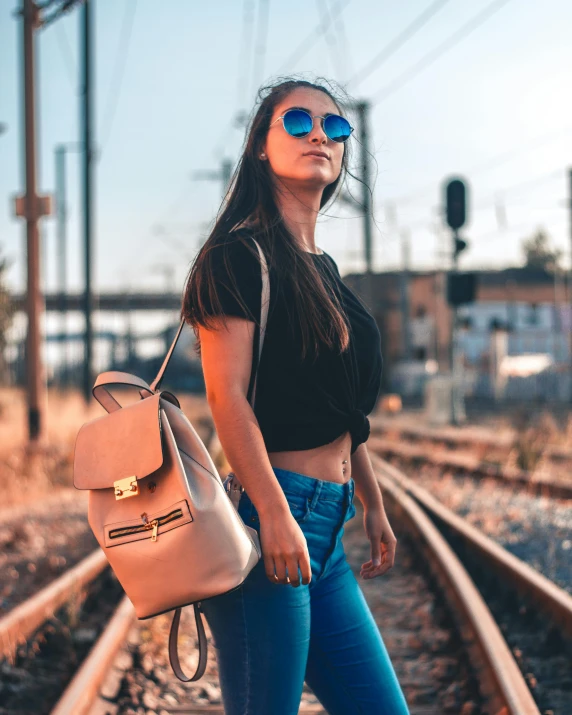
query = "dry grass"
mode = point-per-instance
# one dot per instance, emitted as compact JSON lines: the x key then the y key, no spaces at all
{"x":28,"y":475}
{"x":529,"y":432}
{"x":535,"y":432}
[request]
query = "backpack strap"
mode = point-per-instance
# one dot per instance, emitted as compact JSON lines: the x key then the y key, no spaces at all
{"x":115,"y":377}
{"x":174,"y":649}
{"x":265,"y":303}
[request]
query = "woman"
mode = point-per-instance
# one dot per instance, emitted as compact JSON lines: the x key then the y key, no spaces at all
{"x":300,"y":614}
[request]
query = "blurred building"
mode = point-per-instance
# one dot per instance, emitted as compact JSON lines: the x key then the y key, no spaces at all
{"x":517,"y":311}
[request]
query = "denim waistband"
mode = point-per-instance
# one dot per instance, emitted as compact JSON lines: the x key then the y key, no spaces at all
{"x":314,"y":489}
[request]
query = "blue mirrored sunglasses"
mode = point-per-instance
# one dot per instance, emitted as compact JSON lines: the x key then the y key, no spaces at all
{"x":299,"y":123}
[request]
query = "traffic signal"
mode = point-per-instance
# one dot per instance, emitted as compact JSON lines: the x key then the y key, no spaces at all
{"x":455,"y":204}
{"x":461,"y":288}
{"x":460,"y":245}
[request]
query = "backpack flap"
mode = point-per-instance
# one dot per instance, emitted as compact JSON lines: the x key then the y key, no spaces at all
{"x":116,"y":450}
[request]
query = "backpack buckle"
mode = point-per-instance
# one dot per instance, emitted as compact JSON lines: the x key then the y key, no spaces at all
{"x":233,"y":488}
{"x":127,"y":487}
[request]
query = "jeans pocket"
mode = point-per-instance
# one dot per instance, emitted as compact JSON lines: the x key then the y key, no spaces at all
{"x":299,"y":506}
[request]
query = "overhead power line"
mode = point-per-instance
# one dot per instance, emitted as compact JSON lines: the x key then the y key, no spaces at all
{"x":526,"y":184}
{"x":335,"y":49}
{"x":312,"y":37}
{"x":259,"y":57}
{"x":118,"y":72}
{"x":244,"y":58}
{"x":427,"y":60}
{"x":489,"y":164}
{"x":398,"y":42}
{"x":67,"y":55}
{"x":345,"y":53}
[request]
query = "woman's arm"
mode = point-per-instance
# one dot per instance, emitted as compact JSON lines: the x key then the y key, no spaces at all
{"x":366,"y":485}
{"x":376,"y":524}
{"x":226,"y":361}
{"x":227,"y":358}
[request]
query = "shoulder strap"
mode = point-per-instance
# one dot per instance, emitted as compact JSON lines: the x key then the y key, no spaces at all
{"x":265,"y":303}
{"x":264,"y":306}
{"x":174,"y":651}
{"x":173,"y":635}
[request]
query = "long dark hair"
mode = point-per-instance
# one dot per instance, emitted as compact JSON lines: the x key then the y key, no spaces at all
{"x":250,"y":201}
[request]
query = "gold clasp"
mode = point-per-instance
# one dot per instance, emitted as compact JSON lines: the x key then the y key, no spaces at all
{"x":127,"y":487}
{"x":155,"y":525}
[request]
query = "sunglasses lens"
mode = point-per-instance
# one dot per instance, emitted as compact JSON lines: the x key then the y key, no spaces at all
{"x":297,"y":123}
{"x":337,"y":128}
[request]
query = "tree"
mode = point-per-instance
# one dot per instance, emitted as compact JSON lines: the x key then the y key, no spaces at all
{"x":6,"y":315}
{"x":538,"y":254}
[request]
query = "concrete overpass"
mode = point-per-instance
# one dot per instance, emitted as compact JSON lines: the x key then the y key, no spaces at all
{"x":110,"y":302}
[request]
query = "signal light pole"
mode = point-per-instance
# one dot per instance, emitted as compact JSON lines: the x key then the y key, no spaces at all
{"x":455,"y":212}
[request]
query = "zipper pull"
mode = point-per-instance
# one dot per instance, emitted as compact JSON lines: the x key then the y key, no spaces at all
{"x":155,"y":524}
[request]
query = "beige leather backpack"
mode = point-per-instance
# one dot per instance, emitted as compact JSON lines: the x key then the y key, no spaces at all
{"x":157,"y":504}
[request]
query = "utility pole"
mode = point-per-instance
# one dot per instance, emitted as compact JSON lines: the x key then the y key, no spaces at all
{"x":405,"y":283}
{"x":61,"y":237}
{"x":86,"y":124}
{"x":570,"y":280}
{"x":224,"y":175}
{"x":362,"y":109}
{"x":32,"y":207}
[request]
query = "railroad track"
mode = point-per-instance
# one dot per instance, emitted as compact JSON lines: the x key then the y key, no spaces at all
{"x":502,"y":686}
{"x":468,"y":437}
{"x":471,"y":464}
{"x":534,"y":613}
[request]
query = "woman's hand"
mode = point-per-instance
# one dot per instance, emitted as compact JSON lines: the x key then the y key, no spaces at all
{"x":382,"y":539}
{"x":284,"y":547}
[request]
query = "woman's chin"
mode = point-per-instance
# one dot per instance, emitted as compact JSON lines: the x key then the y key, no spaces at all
{"x":309,"y":180}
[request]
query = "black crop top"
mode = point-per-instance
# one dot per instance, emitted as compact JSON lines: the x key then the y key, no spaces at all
{"x":303,"y":404}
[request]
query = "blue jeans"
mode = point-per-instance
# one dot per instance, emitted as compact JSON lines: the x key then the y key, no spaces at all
{"x":270,"y":637}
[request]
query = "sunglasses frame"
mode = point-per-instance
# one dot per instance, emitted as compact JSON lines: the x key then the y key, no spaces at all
{"x":316,"y":116}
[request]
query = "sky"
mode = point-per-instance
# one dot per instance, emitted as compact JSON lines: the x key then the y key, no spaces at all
{"x":495,"y":108}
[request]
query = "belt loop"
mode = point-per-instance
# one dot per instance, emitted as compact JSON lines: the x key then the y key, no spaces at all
{"x":316,"y":494}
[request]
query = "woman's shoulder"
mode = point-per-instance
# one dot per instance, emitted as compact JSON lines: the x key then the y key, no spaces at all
{"x":233,"y":274}
{"x":237,"y":249}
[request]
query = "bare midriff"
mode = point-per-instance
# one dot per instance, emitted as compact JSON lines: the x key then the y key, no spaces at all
{"x":330,"y":462}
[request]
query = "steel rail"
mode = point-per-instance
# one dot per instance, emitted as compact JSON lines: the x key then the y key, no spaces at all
{"x":471,"y":463}
{"x":554,"y":601}
{"x":500,"y":680}
{"x":24,"y":619}
{"x":476,"y":436}
{"x":81,"y":693}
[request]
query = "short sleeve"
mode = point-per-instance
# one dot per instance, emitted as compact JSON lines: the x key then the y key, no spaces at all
{"x":236,"y":274}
